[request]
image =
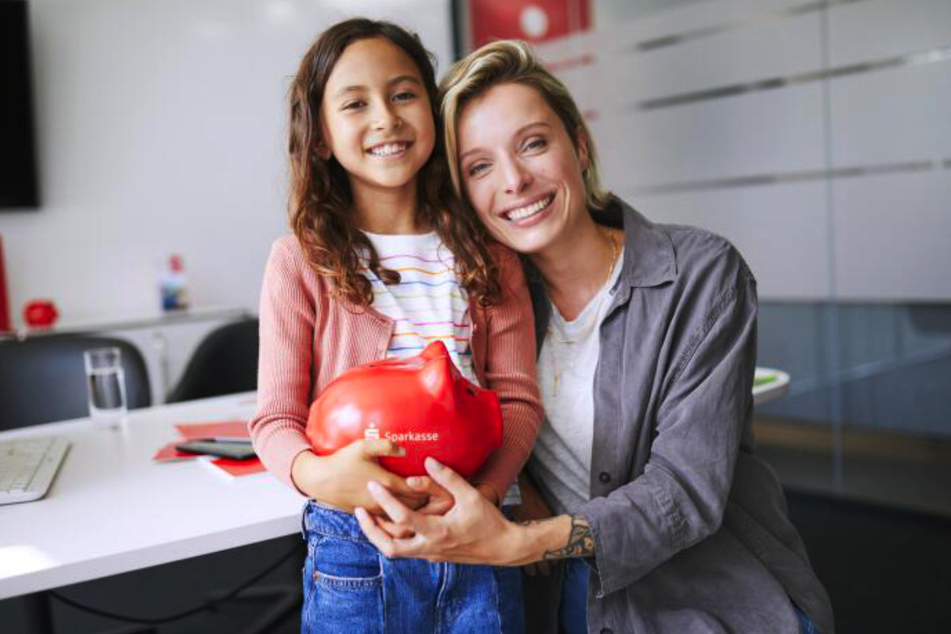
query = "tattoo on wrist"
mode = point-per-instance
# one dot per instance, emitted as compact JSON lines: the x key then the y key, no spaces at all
{"x":580,"y":541}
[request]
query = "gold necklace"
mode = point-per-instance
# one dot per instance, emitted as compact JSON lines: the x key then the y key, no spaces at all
{"x":614,"y":254}
{"x":590,"y":319}
{"x":607,"y":277}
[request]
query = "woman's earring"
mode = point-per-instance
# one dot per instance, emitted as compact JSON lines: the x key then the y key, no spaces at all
{"x":323,"y":151}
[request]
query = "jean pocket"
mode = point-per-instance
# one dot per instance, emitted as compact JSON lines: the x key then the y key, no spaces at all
{"x":345,"y":589}
{"x":345,"y":563}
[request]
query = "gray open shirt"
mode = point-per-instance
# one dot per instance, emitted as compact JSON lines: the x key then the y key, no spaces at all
{"x":690,"y":527}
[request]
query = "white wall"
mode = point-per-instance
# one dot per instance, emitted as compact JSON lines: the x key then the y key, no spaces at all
{"x":161,"y":128}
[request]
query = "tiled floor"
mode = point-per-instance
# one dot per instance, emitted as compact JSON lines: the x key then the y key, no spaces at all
{"x":881,"y":540}
{"x":885,"y":571}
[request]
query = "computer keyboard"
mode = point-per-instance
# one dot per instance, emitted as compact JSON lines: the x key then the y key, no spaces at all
{"x":27,"y":467}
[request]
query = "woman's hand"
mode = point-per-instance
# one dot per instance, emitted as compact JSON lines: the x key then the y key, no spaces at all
{"x":440,"y":500}
{"x":341,"y":478}
{"x":532,"y":508}
{"x":472,"y":531}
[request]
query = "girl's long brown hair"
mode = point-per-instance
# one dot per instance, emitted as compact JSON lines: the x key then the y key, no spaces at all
{"x":320,"y":197}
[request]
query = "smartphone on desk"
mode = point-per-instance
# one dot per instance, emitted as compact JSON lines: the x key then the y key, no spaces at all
{"x":235,"y":450}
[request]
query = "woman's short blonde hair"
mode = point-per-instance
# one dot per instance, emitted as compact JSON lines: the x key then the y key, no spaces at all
{"x":513,"y":61}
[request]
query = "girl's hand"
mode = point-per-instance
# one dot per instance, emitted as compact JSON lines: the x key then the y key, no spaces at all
{"x":472,"y":531}
{"x":440,"y":500}
{"x":341,"y":478}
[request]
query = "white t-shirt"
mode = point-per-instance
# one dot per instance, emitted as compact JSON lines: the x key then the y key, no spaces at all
{"x":428,"y":303}
{"x":566,"y":366}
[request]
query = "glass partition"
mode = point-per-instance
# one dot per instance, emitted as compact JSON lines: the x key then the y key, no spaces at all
{"x":816,"y":137}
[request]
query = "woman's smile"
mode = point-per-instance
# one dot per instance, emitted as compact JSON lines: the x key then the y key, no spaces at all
{"x":529,"y":213}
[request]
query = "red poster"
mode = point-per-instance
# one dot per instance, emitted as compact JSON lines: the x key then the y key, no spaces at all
{"x":531,"y":20}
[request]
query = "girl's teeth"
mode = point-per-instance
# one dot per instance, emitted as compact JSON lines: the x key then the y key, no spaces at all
{"x":530,"y":210}
{"x":388,"y":149}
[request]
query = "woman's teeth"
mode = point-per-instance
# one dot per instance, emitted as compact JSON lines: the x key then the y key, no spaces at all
{"x":388,"y":149}
{"x":529,"y":210}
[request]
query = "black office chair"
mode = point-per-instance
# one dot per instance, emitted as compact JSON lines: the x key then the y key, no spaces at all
{"x":226,"y":362}
{"x":42,"y":379}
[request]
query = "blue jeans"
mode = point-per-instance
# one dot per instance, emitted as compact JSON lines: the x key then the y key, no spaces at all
{"x":573,"y":611}
{"x":808,"y":626}
{"x":350,"y":588}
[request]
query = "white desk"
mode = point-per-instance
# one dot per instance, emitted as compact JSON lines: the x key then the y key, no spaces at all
{"x":112,"y":510}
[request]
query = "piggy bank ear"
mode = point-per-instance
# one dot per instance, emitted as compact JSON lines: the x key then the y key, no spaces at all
{"x":435,"y":350}
{"x":436,"y":377}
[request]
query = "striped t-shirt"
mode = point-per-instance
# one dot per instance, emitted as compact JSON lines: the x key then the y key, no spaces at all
{"x":428,"y":303}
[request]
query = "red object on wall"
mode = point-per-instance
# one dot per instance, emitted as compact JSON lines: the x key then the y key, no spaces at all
{"x":531,"y":20}
{"x":424,"y":404}
{"x":5,"y":324}
{"x":40,"y":313}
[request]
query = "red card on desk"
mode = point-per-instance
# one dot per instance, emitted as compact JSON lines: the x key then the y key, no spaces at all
{"x":225,"y":466}
{"x":169,"y":453}
{"x":238,"y":468}
{"x":217,"y":429}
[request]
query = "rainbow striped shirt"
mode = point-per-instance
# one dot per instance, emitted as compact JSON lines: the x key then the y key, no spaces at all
{"x":428,"y":303}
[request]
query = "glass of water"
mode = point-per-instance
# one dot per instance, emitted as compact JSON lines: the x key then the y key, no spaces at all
{"x":106,"y":381}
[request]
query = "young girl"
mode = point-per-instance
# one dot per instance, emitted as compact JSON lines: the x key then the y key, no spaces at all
{"x":384,"y":260}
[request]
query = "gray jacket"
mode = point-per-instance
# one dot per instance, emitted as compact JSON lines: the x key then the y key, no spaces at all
{"x":690,"y":528}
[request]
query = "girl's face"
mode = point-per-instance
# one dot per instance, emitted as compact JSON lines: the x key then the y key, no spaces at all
{"x":519,"y":168}
{"x":376,"y":117}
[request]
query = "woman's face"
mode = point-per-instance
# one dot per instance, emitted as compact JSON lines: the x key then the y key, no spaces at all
{"x":520,"y":169}
{"x":376,"y":117}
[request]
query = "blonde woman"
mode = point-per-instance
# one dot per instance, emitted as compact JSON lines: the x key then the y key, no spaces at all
{"x":667,"y":520}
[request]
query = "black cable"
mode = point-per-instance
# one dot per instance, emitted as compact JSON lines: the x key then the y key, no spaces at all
{"x":180,"y":615}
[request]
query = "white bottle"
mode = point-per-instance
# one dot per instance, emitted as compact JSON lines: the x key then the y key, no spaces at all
{"x":173,"y":285}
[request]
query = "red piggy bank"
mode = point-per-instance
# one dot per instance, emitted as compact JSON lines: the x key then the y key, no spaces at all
{"x":423,"y":403}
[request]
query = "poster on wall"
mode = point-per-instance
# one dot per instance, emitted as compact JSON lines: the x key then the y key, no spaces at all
{"x":479,"y":22}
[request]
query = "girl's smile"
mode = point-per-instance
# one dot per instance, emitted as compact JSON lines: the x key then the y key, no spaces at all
{"x":390,"y":149}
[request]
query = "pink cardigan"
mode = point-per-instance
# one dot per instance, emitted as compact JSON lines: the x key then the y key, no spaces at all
{"x":307,"y":338}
